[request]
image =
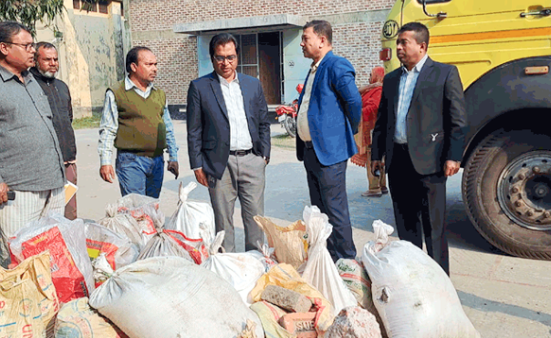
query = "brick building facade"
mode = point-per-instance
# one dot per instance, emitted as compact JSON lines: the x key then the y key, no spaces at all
{"x":178,"y":32}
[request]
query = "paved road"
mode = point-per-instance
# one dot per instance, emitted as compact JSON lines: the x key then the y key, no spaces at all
{"x":503,"y":296}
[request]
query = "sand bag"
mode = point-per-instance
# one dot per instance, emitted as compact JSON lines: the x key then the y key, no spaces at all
{"x":413,"y":295}
{"x":174,"y":243}
{"x":122,"y":223}
{"x":194,"y":219}
{"x":289,"y":243}
{"x":28,"y":301}
{"x":77,"y":320}
{"x":265,"y":255}
{"x":270,"y":315}
{"x":118,"y":249}
{"x":172,"y":297}
{"x":145,"y":210}
{"x":241,"y":270}
{"x":319,"y":270}
{"x":66,"y":240}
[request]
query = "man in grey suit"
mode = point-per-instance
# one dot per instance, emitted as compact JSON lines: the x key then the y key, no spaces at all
{"x":31,"y":162}
{"x":420,"y":129}
{"x":229,"y":140}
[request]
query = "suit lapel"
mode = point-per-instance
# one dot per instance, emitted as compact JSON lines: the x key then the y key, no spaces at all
{"x":425,"y":71}
{"x":215,"y":84}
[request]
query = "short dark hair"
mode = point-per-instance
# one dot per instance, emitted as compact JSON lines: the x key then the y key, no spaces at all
{"x":10,"y":28}
{"x":45,"y":45}
{"x":222,"y":39}
{"x":321,"y":28}
{"x":421,"y":31}
{"x":132,"y":57}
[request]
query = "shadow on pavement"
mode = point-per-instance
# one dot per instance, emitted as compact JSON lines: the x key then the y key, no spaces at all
{"x":487,"y":305}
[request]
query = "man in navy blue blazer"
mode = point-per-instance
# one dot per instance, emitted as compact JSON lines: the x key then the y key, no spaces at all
{"x":229,"y":140}
{"x":330,"y":109}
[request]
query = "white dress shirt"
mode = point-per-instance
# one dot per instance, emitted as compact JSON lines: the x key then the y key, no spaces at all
{"x":240,"y":137}
{"x":303,"y":128}
{"x":408,"y":81}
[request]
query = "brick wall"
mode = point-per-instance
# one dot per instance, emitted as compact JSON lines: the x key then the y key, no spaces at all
{"x":177,"y":57}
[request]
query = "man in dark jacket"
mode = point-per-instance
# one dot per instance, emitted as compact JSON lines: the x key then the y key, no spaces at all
{"x":59,"y":97}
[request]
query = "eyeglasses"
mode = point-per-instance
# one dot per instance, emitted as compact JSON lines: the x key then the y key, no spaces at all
{"x":28,"y":46}
{"x":221,"y":59}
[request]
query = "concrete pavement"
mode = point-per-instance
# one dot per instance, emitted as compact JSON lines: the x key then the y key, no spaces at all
{"x":503,"y":296}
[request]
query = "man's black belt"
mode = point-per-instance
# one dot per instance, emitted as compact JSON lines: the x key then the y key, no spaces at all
{"x":241,"y":152}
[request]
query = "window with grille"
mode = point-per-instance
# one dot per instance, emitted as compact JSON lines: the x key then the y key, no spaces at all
{"x":101,"y":6}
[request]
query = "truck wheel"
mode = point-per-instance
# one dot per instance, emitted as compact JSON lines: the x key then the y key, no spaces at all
{"x":507,"y":190}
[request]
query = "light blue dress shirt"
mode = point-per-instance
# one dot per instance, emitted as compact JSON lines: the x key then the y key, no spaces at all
{"x":110,"y":124}
{"x":408,"y":80}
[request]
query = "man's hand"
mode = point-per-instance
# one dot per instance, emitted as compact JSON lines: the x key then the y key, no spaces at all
{"x":107,"y":173}
{"x":173,"y":168}
{"x":451,"y":168}
{"x":376,"y":165}
{"x":201,"y":177}
{"x":3,"y":193}
{"x":267,"y":160}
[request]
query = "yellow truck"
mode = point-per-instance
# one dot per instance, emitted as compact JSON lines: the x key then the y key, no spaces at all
{"x":502,"y":49}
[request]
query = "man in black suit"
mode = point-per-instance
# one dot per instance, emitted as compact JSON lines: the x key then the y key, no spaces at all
{"x":420,"y":129}
{"x":229,"y":140}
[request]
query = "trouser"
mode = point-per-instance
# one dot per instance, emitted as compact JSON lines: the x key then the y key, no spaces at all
{"x":244,"y":177}
{"x":327,"y":186}
{"x":139,"y":174}
{"x":28,"y":206}
{"x":419,"y":205}
{"x":375,"y":183}
{"x":71,"y":206}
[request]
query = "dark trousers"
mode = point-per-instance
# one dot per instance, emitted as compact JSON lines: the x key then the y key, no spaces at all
{"x":419,"y":205}
{"x":327,"y":185}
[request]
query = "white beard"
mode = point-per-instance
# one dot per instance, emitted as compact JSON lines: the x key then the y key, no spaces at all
{"x":47,"y":74}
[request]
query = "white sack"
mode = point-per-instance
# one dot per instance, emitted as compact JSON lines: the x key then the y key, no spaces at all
{"x":118,"y":248}
{"x":122,"y":223}
{"x":194,"y":219}
{"x":319,"y":269}
{"x":171,"y":297}
{"x":413,"y":295}
{"x":241,"y":270}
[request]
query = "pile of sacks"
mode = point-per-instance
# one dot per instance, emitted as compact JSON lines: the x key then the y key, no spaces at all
{"x":133,"y":275}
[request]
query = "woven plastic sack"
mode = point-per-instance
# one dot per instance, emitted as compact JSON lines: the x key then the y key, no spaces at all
{"x":356,"y":279}
{"x":194,"y":219}
{"x":28,"y":301}
{"x":286,"y":276}
{"x":289,"y":243}
{"x":145,"y":210}
{"x":320,"y":271}
{"x":77,"y":320}
{"x":174,"y":243}
{"x":241,"y":270}
{"x":118,"y":249}
{"x":122,"y":223}
{"x":413,"y":295}
{"x":172,"y":297}
{"x":66,"y":240}
{"x":265,"y":255}
{"x":269,"y":315}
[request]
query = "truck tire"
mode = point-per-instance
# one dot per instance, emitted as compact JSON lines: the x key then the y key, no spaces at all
{"x":507,"y":191}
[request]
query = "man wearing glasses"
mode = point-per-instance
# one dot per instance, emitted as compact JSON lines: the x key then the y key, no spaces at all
{"x":31,"y":162}
{"x":229,"y":140}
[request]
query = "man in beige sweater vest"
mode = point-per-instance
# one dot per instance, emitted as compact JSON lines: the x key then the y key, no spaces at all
{"x":137,"y":122}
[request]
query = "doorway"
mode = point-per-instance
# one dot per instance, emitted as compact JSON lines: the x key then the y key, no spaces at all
{"x":269,"y":66}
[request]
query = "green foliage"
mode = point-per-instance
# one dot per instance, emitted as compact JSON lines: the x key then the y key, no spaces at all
{"x":29,"y":12}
